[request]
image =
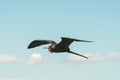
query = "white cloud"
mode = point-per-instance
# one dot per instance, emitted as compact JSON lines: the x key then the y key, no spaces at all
{"x":32,"y":59}
{"x":7,"y":58}
{"x":95,"y":57}
{"x":36,"y":57}
{"x":114,"y":55}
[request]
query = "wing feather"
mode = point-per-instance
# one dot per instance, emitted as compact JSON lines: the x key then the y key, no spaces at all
{"x":36,"y":43}
{"x":67,"y":41}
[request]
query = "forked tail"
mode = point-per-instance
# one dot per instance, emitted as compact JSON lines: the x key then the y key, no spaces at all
{"x":78,"y":54}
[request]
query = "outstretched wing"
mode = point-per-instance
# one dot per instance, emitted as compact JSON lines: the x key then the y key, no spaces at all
{"x":67,"y":41}
{"x":36,"y":43}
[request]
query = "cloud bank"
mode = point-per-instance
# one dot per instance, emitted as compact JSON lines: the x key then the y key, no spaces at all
{"x":35,"y":58}
{"x":32,"y":59}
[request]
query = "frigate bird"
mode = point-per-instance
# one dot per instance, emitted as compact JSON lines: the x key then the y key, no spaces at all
{"x":62,"y":46}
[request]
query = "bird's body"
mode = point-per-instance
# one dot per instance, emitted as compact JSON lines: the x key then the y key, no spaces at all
{"x":56,"y":48}
{"x":62,"y":46}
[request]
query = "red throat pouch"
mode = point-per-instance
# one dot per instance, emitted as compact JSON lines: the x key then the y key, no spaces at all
{"x":49,"y":49}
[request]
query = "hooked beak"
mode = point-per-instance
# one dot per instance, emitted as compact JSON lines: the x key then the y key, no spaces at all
{"x":45,"y":47}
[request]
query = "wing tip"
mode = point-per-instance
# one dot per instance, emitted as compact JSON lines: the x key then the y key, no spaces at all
{"x":29,"y":47}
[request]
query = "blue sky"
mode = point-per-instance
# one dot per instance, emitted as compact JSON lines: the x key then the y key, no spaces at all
{"x":26,"y":20}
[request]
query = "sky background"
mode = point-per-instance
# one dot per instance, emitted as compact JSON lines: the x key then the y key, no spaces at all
{"x":22,"y":21}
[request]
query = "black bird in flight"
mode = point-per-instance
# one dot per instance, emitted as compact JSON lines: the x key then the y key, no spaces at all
{"x":62,"y":46}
